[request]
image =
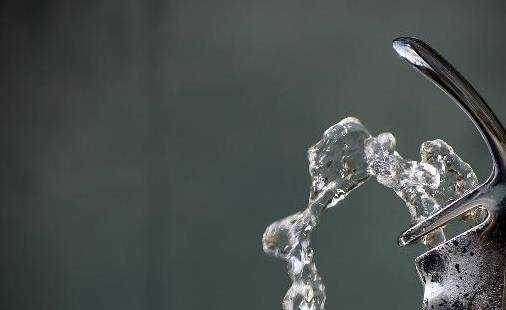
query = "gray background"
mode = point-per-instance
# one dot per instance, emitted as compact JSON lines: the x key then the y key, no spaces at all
{"x":145,"y":145}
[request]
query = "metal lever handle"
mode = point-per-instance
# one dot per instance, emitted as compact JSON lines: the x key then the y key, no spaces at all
{"x":435,"y":68}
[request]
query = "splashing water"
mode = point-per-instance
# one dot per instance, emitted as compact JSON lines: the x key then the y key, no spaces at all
{"x":342,"y":160}
{"x":336,"y":166}
{"x":425,"y":186}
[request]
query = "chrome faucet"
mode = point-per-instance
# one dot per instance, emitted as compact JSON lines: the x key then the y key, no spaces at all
{"x":467,"y":271}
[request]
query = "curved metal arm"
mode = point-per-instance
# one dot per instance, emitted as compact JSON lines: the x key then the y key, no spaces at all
{"x":433,"y":66}
{"x":469,"y":269}
{"x":465,"y":203}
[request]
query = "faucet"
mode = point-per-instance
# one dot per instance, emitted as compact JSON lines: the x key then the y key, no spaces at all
{"x":467,"y":271}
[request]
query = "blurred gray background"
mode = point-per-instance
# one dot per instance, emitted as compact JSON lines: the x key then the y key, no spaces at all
{"x":146,"y":145}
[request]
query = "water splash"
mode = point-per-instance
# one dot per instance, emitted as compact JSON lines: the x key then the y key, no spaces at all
{"x":336,"y":166}
{"x":438,"y":179}
{"x":342,"y":160}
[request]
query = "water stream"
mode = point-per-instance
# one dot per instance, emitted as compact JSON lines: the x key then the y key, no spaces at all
{"x":346,"y":157}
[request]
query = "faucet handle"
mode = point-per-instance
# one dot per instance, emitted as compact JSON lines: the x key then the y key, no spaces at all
{"x":439,"y":71}
{"x":467,"y":271}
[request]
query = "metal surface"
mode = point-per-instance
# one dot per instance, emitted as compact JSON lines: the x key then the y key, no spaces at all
{"x":466,"y":272}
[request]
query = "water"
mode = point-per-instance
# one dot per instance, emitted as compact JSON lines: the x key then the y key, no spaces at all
{"x":341,"y":161}
{"x":439,"y":178}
